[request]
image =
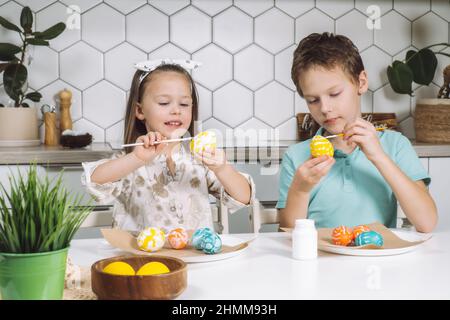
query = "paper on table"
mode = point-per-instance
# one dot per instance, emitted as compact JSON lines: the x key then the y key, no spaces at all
{"x":390,"y":239}
{"x":127,"y":242}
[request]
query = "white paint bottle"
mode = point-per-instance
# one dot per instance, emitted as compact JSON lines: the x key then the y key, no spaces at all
{"x":304,"y":240}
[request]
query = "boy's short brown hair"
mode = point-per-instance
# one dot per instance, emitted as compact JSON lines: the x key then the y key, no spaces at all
{"x":328,"y":51}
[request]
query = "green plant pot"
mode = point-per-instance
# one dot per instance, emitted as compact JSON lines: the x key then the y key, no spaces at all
{"x":33,"y":276}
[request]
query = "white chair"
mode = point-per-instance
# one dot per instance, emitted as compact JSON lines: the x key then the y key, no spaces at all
{"x":259,"y":215}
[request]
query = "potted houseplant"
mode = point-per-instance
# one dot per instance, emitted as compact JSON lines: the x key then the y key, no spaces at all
{"x":38,"y":219}
{"x":432,"y":116}
{"x":13,"y":64}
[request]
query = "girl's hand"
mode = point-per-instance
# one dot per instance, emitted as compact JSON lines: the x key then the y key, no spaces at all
{"x":149,"y":150}
{"x":311,"y":172}
{"x":363,"y":134}
{"x":215,"y":159}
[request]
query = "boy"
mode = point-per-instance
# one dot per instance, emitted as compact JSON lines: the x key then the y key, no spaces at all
{"x":370,"y":170}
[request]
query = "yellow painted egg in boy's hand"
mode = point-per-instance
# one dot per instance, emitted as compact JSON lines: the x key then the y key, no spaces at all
{"x":321,"y":146}
{"x":204,"y":140}
{"x":151,"y":239}
{"x":119,"y":268}
{"x":153,"y":267}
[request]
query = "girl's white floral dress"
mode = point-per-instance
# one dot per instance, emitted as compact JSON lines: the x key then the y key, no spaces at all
{"x":152,"y":196}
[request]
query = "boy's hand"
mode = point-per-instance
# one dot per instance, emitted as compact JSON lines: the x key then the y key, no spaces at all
{"x":215,"y":159}
{"x":310,"y":173}
{"x":363,"y":134}
{"x":149,"y":150}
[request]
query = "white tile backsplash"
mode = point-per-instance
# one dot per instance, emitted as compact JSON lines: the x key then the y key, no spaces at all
{"x":246,"y":48}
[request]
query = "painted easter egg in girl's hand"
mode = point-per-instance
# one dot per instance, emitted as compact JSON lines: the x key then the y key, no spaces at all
{"x":358,"y":230}
{"x":151,"y":239}
{"x":178,"y":238}
{"x":321,"y":146}
{"x":342,"y":236}
{"x":211,"y":243}
{"x":204,"y":140}
{"x":369,"y":237}
{"x":198,"y":235}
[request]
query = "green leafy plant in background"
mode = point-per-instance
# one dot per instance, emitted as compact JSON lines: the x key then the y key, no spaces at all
{"x":42,"y":215}
{"x":15,"y":73}
{"x":418,"y":66}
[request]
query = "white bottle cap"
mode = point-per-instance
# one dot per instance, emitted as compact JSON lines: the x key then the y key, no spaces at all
{"x":304,"y":223}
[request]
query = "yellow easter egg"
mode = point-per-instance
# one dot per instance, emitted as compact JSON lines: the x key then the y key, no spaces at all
{"x":119,"y":268}
{"x":151,"y":239}
{"x":152,"y":268}
{"x":205,"y":139}
{"x":321,"y":146}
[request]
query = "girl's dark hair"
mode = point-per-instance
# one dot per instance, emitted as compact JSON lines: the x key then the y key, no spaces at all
{"x":328,"y":51}
{"x":135,"y":127}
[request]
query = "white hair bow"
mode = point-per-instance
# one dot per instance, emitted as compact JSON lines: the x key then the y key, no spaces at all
{"x":150,"y":65}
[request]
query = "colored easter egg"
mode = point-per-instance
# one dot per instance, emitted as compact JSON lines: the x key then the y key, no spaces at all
{"x":211,"y":243}
{"x":204,"y":140}
{"x":178,"y":238}
{"x":342,"y":235}
{"x":369,"y":237}
{"x":151,"y":239}
{"x":359,"y":229}
{"x":197,"y":237}
{"x":321,"y":146}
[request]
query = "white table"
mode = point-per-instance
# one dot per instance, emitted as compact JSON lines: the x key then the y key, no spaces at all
{"x":266,"y":271}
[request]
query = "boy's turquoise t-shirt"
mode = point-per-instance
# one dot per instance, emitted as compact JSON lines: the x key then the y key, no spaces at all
{"x":354,"y":192}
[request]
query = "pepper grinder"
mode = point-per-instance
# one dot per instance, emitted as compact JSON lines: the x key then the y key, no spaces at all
{"x":51,"y":136}
{"x":65,"y":120}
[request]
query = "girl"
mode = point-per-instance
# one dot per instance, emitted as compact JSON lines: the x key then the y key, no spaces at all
{"x":162,"y":185}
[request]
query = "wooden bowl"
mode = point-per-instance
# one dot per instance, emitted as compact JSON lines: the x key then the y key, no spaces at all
{"x":152,"y":287}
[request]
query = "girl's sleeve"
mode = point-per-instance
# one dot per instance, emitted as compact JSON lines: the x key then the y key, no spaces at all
{"x":108,"y":192}
{"x":216,"y":189}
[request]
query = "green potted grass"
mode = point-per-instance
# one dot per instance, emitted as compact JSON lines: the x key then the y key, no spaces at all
{"x":38,"y":219}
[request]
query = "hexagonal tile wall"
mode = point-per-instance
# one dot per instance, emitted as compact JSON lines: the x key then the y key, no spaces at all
{"x":212,"y":7}
{"x":125,"y":7}
{"x":233,"y":29}
{"x":147,"y":28}
{"x":53,"y":14}
{"x":81,"y":75}
{"x":35,"y":5}
{"x":106,"y":100}
{"x":245,"y":46}
{"x":233,"y":104}
{"x":395,"y":33}
{"x":312,"y":21}
{"x":216,"y":68}
{"x":190,"y":29}
{"x":274,"y":104}
{"x":103,"y":27}
{"x":119,"y":64}
{"x":253,"y":67}
{"x":354,"y":25}
{"x":294,"y":8}
{"x":44,"y":67}
{"x":335,"y":9}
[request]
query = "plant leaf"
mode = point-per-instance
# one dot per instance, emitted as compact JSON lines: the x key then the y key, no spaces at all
{"x":51,"y":32}
{"x":400,"y":77}
{"x":8,"y":49}
{"x":8,"y":25}
{"x":37,"y":42}
{"x":34,"y":96}
{"x":14,"y":78}
{"x":423,"y":65}
{"x":26,"y":19}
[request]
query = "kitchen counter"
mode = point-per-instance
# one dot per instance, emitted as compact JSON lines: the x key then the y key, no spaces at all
{"x":266,"y":271}
{"x":45,"y":154}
